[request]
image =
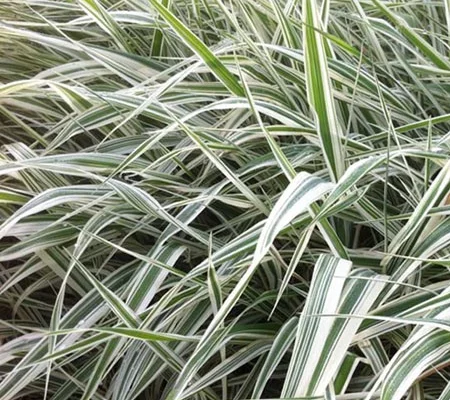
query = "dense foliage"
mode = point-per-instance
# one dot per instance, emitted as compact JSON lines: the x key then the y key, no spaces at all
{"x":224,"y":199}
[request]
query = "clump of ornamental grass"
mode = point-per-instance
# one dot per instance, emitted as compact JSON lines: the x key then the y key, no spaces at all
{"x":224,"y":199}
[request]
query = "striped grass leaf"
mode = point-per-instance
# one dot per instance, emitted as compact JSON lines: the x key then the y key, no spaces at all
{"x":435,"y":195}
{"x":358,"y":297}
{"x":280,"y":346}
{"x":414,"y":38}
{"x":312,"y":330}
{"x":320,"y":92}
{"x":216,"y":66}
{"x":410,"y":362}
{"x":345,"y":373}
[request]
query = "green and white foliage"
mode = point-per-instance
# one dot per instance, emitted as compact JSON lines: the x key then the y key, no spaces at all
{"x":224,"y":199}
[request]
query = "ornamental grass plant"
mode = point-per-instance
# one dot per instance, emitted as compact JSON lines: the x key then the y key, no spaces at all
{"x":224,"y":199}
